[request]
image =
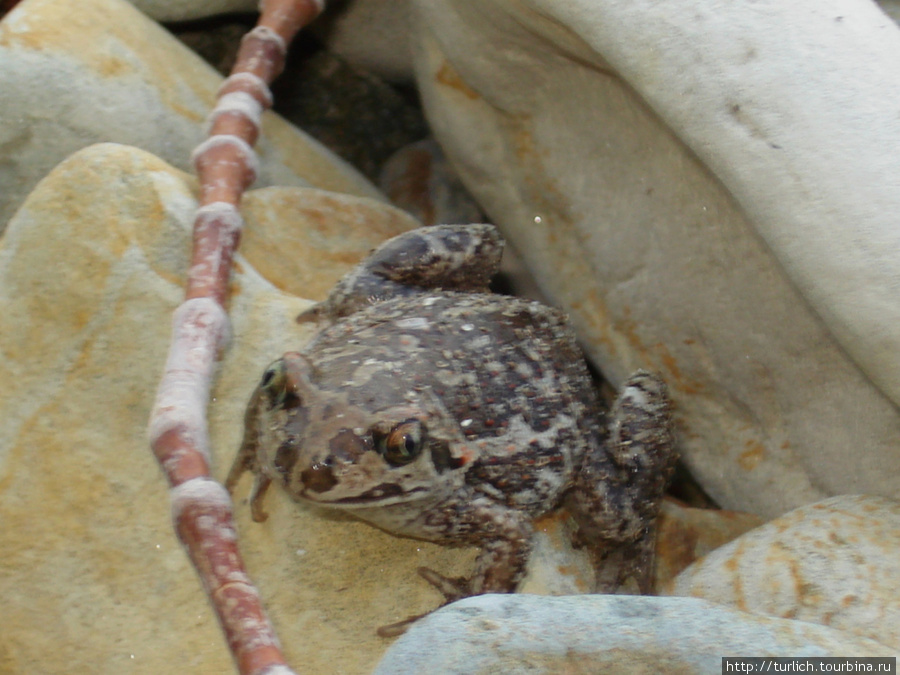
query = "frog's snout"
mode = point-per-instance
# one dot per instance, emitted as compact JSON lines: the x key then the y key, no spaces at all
{"x":318,"y":477}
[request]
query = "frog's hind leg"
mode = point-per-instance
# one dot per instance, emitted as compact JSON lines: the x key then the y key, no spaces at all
{"x":617,"y":495}
{"x":446,"y":257}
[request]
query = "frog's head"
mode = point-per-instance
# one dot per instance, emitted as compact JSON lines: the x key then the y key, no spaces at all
{"x":327,"y":447}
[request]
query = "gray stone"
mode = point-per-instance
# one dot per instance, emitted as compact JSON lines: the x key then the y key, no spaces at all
{"x":80,"y":73}
{"x":603,"y":633}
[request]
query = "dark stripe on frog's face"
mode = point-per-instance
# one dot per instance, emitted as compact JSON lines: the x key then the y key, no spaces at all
{"x":318,"y":478}
{"x":286,"y":457}
{"x":379,"y":493}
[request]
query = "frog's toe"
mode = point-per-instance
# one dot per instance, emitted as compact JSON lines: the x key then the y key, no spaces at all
{"x":397,"y":629}
{"x":313,"y":314}
{"x":257,"y":494}
{"x":452,"y":588}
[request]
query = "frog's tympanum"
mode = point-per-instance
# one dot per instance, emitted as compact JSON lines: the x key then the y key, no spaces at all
{"x":433,"y":408}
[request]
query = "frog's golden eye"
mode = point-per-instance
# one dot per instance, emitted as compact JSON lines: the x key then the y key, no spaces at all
{"x":402,"y":444}
{"x":277,"y":387}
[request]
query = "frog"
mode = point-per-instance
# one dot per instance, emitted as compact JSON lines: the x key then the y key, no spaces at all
{"x":435,"y":409}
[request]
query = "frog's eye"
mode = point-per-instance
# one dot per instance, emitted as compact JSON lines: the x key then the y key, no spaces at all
{"x":402,"y":444}
{"x":276,"y":386}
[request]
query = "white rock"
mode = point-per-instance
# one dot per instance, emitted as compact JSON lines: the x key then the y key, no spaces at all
{"x":79,"y":73}
{"x":836,"y":562}
{"x":603,"y":634}
{"x":710,"y":192}
{"x":371,"y":34}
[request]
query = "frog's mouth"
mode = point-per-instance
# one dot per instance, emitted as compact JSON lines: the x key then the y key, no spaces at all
{"x":319,"y":483}
{"x":380,"y":493}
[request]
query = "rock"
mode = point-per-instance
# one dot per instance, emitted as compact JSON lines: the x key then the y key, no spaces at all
{"x":93,"y":579}
{"x":836,"y":562}
{"x":891,"y":8}
{"x":418,"y":179}
{"x":685,"y":534}
{"x":603,"y":633}
{"x":216,"y":42}
{"x":311,"y":237}
{"x":183,"y":10}
{"x":78,"y":73}
{"x":353,"y":113}
{"x":708,"y":197}
{"x":370,"y":34}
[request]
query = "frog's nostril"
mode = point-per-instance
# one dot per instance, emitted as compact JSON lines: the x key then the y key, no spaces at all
{"x":318,"y":478}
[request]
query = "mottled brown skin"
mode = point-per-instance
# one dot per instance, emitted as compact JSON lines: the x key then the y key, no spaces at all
{"x":437,"y":410}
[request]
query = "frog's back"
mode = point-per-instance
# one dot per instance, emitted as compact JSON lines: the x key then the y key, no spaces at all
{"x":507,"y":370}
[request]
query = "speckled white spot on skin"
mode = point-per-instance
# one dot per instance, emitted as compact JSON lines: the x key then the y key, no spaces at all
{"x":413,"y":323}
{"x":481,"y":342}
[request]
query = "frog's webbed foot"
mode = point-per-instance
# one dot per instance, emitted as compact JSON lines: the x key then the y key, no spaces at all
{"x":442,"y":257}
{"x":452,"y":588}
{"x":446,"y":257}
{"x":499,"y":566}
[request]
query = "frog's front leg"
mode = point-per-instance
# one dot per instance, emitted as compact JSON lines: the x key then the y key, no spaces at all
{"x":617,"y":495}
{"x":247,"y":458}
{"x":441,"y":257}
{"x":499,"y":567}
{"x":505,"y":539}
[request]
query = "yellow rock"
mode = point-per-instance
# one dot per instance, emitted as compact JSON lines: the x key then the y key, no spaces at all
{"x":92,"y":578}
{"x":835,"y":562}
